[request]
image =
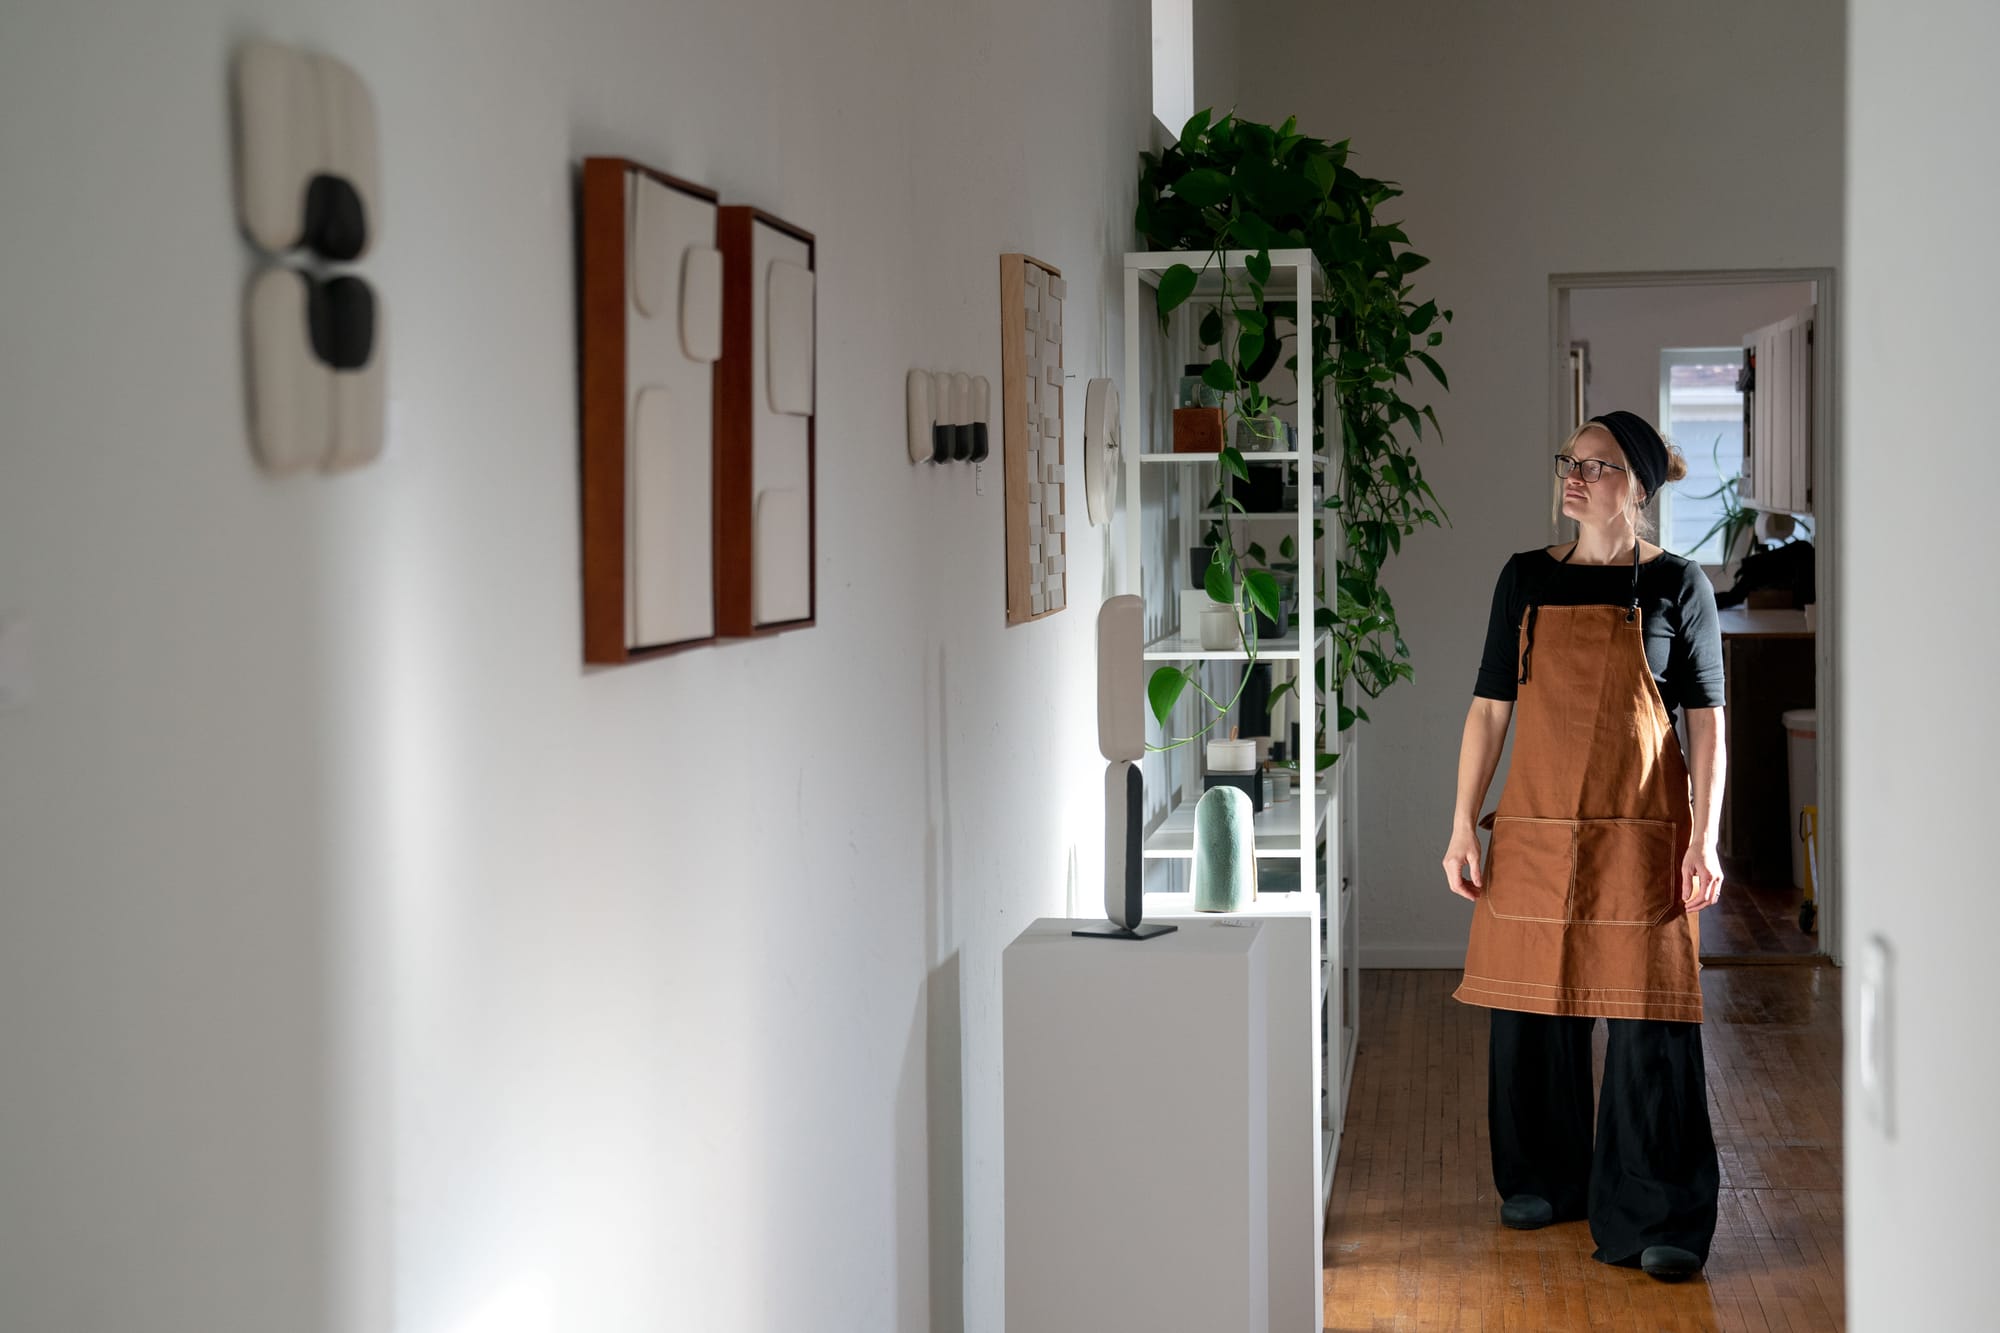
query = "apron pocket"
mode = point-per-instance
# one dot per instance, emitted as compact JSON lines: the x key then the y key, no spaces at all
{"x":1627,"y":871}
{"x":1529,"y":865}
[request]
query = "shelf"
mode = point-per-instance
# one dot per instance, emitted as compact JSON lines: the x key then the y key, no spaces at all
{"x":1257,"y":515}
{"x":1283,"y":286}
{"x":1282,"y":456}
{"x":1182,"y":647}
{"x":1276,"y":829}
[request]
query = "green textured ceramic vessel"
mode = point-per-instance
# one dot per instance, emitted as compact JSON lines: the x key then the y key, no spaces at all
{"x":1225,"y":851}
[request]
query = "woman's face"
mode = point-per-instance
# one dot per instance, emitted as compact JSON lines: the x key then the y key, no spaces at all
{"x":1603,"y":500}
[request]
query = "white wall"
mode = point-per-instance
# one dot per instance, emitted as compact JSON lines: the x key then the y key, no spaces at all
{"x":1628,"y":327}
{"x":1531,"y":140}
{"x":1916,"y":645}
{"x":365,"y":962}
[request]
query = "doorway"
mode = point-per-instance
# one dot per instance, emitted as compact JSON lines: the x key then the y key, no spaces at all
{"x":1737,"y":368}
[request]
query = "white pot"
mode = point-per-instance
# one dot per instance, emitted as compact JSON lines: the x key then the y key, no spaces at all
{"x":1221,"y":628}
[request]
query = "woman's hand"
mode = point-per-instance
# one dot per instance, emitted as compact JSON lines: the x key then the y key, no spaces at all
{"x":1701,"y":876}
{"x":1460,"y":859}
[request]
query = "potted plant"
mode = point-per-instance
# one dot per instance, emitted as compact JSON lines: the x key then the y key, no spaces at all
{"x":1232,"y":184}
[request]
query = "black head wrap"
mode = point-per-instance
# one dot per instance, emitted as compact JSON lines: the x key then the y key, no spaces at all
{"x":1644,"y":449}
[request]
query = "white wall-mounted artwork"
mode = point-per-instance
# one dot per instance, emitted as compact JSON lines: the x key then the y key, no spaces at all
{"x":652,"y":332}
{"x":766,"y":540}
{"x":308,"y":197}
{"x":949,"y":416}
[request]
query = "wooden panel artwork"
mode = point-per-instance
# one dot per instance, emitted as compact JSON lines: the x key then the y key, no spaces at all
{"x":766,"y":538}
{"x":649,"y":322}
{"x":1031,"y":396}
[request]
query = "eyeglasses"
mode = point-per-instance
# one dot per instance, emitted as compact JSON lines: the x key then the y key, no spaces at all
{"x":1592,"y":468}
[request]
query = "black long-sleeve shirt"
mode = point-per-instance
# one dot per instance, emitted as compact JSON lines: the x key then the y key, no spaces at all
{"x":1676,"y":600}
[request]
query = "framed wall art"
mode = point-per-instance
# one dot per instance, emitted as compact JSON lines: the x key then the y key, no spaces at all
{"x":1031,"y":395}
{"x":765,"y":512}
{"x":651,"y":326}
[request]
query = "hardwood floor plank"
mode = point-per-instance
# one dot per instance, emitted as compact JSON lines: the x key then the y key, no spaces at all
{"x":1413,"y":1237}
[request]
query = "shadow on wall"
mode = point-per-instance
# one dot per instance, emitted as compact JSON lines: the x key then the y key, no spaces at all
{"x":937,"y":1224}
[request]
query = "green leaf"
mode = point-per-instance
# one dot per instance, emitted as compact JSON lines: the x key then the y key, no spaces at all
{"x":1259,"y":266}
{"x":1256,"y":552}
{"x":1262,"y":590}
{"x":1287,"y":549}
{"x":1320,"y":172}
{"x":1217,"y":582}
{"x":1203,"y":187}
{"x":1219,"y":377}
{"x":1196,"y":126}
{"x":1430,"y":364}
{"x":1211,"y":328}
{"x":1232,"y":462}
{"x":1409,"y":263}
{"x":1326,"y":761}
{"x":1176,"y":285}
{"x":1164,"y":690}
{"x":1248,"y":347}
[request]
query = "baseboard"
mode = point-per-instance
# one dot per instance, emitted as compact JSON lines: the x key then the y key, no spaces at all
{"x":1413,"y":956}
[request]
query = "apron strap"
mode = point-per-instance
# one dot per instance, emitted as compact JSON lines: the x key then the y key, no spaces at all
{"x":1633,"y":613}
{"x":1533,"y":607}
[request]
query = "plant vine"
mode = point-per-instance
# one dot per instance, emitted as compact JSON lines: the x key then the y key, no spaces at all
{"x":1232,"y":184}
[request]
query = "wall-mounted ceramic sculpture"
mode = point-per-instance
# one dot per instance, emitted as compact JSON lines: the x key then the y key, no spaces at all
{"x":1100,"y":449}
{"x":1121,"y":738}
{"x":308,"y":193}
{"x":1225,"y":851}
{"x":652,"y":333}
{"x":765,"y":538}
{"x":948,"y":415}
{"x":1031,"y":391}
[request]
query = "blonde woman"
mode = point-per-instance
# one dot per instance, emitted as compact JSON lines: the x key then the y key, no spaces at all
{"x":1603,"y":848}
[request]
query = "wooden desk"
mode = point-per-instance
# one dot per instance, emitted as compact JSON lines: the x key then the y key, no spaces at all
{"x":1768,"y":667}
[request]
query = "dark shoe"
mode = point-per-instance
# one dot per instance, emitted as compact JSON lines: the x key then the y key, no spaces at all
{"x":1526,"y":1212}
{"x":1669,"y":1263}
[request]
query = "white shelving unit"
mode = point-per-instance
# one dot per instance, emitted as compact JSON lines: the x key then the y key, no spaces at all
{"x":1314,"y":985}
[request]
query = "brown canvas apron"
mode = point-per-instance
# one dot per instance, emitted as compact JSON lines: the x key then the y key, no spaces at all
{"x":1581,"y":913}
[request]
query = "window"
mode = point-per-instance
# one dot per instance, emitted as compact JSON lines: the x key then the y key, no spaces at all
{"x":1702,"y":413}
{"x":1173,"y":62}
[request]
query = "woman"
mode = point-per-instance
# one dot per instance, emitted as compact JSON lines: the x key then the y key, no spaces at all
{"x":1603,"y":849}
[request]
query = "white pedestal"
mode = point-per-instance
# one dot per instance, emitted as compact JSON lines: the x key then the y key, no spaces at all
{"x":1136,"y":1170}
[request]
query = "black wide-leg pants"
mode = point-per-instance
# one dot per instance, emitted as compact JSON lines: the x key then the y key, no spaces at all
{"x":1650,"y":1176}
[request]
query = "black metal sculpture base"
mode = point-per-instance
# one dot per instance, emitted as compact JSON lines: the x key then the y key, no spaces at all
{"x":1144,"y":931}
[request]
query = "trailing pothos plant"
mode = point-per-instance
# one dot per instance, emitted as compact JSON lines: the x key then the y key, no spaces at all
{"x":1232,"y":184}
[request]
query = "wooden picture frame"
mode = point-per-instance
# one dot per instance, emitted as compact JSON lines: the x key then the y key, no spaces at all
{"x":766,"y":465}
{"x":1032,"y":294}
{"x":649,"y":325}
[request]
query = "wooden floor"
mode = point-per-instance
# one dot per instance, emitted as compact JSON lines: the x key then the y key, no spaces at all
{"x":1753,"y":920}
{"x":1413,"y":1239}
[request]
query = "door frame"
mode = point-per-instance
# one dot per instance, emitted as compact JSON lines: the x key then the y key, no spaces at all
{"x":1826,"y":509}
